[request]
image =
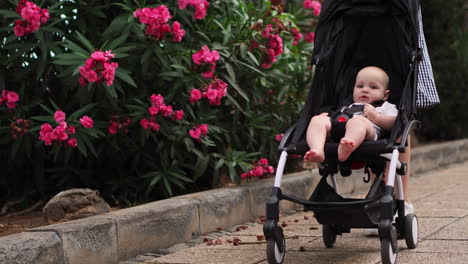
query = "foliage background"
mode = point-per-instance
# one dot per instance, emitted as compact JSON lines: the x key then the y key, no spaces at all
{"x":447,"y":40}
{"x":141,"y":165}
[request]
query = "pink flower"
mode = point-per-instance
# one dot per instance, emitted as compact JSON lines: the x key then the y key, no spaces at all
{"x":45,"y":134}
{"x":98,"y":67}
{"x":258,"y":171}
{"x":87,"y":122}
{"x":157,"y":99}
{"x":266,"y":33}
{"x":109,"y":72}
{"x":59,"y":116}
{"x":275,"y":42}
{"x":20,"y":28}
{"x":204,"y":55}
{"x":201,"y":10}
{"x":45,"y":16}
{"x":310,"y":37}
{"x":71,"y":130}
{"x":195,"y":95}
{"x":270,"y":169}
{"x":113,"y":128}
{"x":203,"y":129}
{"x":201,"y":7}
{"x":269,"y":59}
{"x":99,"y":56}
{"x":178,"y":115}
{"x":33,"y":17}
{"x":60,"y":133}
{"x":154,"y":126}
{"x":166,"y":110}
{"x":279,"y":137}
{"x":11,"y":105}
{"x":177,"y":32}
{"x":88,"y":74}
{"x":153,"y":15}
{"x":253,"y":45}
{"x":263,"y":161}
{"x":315,"y":5}
{"x":153,"y":110}
{"x":211,"y":94}
{"x":82,"y":81}
{"x":73,"y":142}
{"x":144,"y":123}
{"x":195,"y":133}
{"x":182,"y":3}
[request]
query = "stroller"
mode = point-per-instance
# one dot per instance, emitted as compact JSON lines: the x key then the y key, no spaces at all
{"x":352,"y":34}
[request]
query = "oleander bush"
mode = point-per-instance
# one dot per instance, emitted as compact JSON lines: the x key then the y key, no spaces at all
{"x":143,"y":100}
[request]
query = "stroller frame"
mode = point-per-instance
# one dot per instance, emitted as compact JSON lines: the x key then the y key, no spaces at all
{"x":385,"y":197}
{"x":377,"y":210}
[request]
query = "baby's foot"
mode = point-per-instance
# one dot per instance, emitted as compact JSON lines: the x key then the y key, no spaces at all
{"x":314,"y":156}
{"x":345,"y":149}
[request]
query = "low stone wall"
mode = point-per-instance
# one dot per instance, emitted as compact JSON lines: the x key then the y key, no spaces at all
{"x":122,"y":234}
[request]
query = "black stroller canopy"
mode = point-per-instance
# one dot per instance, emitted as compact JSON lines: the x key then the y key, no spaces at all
{"x":352,"y":34}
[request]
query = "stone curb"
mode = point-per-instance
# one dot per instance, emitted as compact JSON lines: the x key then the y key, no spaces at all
{"x":123,"y":234}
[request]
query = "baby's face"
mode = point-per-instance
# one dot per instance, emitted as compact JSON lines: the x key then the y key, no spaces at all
{"x":371,"y":86}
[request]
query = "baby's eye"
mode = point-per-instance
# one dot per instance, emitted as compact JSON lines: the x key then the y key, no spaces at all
{"x":359,"y":86}
{"x":373,"y":87}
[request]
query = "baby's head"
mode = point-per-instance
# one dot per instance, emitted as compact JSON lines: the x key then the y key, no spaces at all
{"x":371,"y":85}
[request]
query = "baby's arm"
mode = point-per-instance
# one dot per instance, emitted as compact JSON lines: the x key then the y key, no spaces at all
{"x":384,"y":121}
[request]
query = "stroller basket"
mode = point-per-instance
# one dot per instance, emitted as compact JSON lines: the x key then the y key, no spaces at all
{"x":327,"y":204}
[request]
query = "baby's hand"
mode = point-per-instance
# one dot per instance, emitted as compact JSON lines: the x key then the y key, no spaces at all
{"x":369,"y":112}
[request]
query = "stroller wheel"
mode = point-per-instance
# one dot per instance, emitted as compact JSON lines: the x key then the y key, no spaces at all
{"x":274,"y":254}
{"x":329,"y":236}
{"x":411,"y":231}
{"x":389,"y":255}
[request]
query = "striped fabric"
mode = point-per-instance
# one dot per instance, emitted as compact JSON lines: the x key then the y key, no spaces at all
{"x":427,"y":95}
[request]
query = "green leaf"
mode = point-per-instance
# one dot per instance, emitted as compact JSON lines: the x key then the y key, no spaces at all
{"x":8,"y":14}
{"x":254,"y":59}
{"x":70,"y":56}
{"x":167,"y":186}
{"x":238,"y":89}
{"x":88,"y":143}
{"x":124,"y":76}
{"x":253,"y":68}
{"x":231,"y":71}
{"x":81,"y":111}
{"x":81,"y":145}
{"x":116,"y":42}
{"x":77,"y":49}
{"x":243,"y":50}
{"x":85,"y":42}
{"x":48,"y":119}
{"x":172,"y":74}
{"x":47,"y":109}
{"x":111,"y":91}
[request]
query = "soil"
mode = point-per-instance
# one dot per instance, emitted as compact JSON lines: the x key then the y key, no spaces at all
{"x":16,"y":224}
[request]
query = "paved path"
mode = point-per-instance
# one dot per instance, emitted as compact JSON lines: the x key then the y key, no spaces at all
{"x":441,"y":202}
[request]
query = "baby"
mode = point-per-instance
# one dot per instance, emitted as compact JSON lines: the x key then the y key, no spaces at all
{"x":371,"y":86}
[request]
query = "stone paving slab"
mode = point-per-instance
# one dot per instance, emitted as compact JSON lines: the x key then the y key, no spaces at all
{"x":456,"y":230}
{"x":431,"y":258}
{"x":440,"y":203}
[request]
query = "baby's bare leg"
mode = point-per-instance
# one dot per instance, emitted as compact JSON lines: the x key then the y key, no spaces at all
{"x":317,"y":132}
{"x":358,"y":129}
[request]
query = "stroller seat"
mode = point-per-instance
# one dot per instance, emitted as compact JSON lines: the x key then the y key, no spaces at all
{"x":367,"y":151}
